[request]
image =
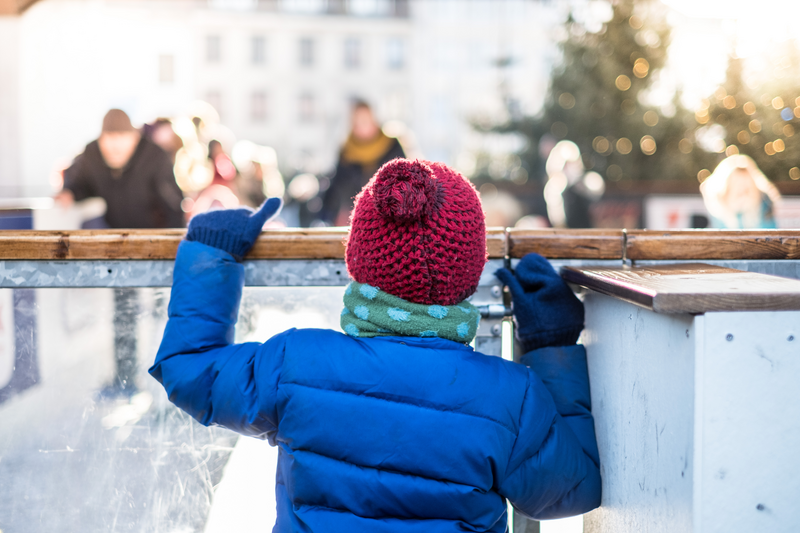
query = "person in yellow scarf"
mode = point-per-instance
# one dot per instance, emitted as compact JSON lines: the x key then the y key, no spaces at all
{"x":367,"y":148}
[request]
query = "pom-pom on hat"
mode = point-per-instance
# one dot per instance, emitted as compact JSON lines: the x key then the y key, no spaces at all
{"x":417,"y":231}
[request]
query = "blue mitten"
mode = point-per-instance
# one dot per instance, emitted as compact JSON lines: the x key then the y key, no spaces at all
{"x":232,"y":230}
{"x":546,"y":310}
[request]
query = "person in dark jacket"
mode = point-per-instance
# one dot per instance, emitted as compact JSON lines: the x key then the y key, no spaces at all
{"x":397,"y":424}
{"x":135,"y":178}
{"x":366,"y":149}
{"x":131,"y":173}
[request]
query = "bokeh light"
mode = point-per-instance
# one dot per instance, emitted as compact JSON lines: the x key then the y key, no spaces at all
{"x":743,"y":137}
{"x":648,"y":145}
{"x":628,"y":106}
{"x":601,"y":145}
{"x":650,"y":118}
{"x":566,"y":100}
{"x":641,"y":67}
{"x":624,"y":146}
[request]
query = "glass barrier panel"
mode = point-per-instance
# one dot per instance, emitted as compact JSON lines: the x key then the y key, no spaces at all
{"x":89,"y":441}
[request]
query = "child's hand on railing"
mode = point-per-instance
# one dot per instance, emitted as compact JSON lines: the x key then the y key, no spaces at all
{"x":232,"y":230}
{"x":546,"y":310}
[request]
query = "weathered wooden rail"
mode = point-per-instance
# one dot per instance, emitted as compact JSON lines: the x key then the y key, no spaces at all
{"x":588,"y":244}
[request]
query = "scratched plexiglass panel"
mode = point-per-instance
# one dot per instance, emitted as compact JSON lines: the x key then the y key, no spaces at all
{"x":89,"y":441}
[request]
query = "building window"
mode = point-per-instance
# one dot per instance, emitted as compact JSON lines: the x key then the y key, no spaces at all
{"x":306,"y":107}
{"x":352,"y":53}
{"x":258,"y":106}
{"x":213,"y":49}
{"x":306,"y":51}
{"x":395,"y":53}
{"x":258,"y":50}
{"x":214,"y":98}
{"x":166,"y":69}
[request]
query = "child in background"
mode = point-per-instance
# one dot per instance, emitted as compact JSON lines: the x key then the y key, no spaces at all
{"x":739,"y":196}
{"x":396,"y":425}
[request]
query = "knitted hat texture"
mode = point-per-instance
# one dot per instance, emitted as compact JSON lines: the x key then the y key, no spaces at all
{"x":417,"y":232}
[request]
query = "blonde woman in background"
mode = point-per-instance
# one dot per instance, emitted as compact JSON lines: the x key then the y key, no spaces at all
{"x":739,"y":196}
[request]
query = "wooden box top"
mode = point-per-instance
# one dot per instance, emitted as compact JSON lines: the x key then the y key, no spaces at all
{"x":690,"y":288}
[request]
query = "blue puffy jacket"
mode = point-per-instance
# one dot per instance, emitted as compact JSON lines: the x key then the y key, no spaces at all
{"x":389,"y":434}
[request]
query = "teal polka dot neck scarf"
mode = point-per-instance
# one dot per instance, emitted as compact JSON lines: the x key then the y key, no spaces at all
{"x":371,"y":312}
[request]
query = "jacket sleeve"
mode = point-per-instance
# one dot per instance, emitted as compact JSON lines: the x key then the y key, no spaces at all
{"x":203,"y":372}
{"x":554,"y":469}
{"x":76,"y":180}
{"x":167,"y":195}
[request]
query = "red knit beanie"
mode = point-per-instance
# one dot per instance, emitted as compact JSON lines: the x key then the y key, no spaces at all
{"x":417,"y":232}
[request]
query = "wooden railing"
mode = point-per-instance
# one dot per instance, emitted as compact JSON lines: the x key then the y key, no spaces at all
{"x":710,"y":244}
{"x":328,"y":243}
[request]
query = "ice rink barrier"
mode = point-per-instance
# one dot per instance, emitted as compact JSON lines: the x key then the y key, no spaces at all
{"x":693,"y":340}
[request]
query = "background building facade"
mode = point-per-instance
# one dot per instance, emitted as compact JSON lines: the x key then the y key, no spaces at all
{"x":280,"y":73}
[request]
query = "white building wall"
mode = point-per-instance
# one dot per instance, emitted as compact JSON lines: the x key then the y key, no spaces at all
{"x":10,"y":178}
{"x":78,"y":58}
{"x":457,"y":79}
{"x":312,"y":145}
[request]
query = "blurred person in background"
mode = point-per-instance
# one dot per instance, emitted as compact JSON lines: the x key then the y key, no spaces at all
{"x":305,"y":192}
{"x":224,"y":170}
{"x":739,"y":196}
{"x":258,"y":174}
{"x":222,"y":192}
{"x":251,"y":185}
{"x":130,"y":172}
{"x":134,"y":177}
{"x":570,"y":190}
{"x":366,"y":149}
{"x":162,"y":133}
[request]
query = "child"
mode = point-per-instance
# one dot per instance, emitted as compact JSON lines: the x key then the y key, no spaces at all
{"x":739,"y":196}
{"x":397,"y":425}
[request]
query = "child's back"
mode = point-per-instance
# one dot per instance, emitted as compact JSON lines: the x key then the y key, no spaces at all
{"x":383,"y":431}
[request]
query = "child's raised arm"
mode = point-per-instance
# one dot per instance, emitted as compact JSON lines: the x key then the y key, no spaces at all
{"x":203,"y":372}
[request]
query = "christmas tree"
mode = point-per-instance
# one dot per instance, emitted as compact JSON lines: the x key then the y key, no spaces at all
{"x":757,"y":115}
{"x":599,"y":99}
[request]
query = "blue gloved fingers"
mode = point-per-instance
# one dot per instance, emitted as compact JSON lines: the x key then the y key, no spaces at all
{"x":508,"y":279}
{"x":266,"y":212}
{"x":535,"y":270}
